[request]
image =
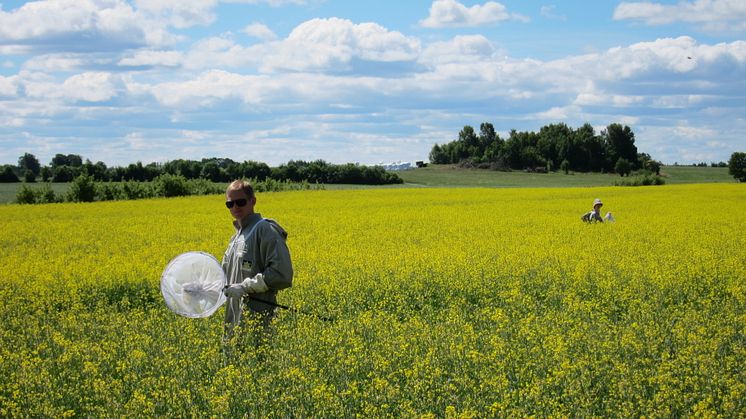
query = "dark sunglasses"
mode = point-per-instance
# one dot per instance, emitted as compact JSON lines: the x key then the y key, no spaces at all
{"x":240,"y":202}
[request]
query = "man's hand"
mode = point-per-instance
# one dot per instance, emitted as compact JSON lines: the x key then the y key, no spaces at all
{"x":234,"y":291}
{"x":255,"y":284}
{"x":248,"y":286}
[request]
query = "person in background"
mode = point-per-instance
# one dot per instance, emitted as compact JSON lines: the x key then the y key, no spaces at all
{"x":595,"y":214}
{"x":257,"y":262}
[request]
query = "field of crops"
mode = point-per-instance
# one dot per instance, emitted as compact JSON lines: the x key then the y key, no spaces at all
{"x":448,"y":303}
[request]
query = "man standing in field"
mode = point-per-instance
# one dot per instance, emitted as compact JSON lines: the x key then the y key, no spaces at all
{"x":257,"y":262}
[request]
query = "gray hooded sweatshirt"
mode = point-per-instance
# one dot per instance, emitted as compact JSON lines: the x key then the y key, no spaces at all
{"x":257,"y":247}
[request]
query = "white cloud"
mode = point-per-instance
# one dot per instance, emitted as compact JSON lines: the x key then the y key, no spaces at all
{"x":451,"y":13}
{"x":57,"y":23}
{"x":273,"y":3}
{"x":97,"y":25}
{"x":694,"y":132}
{"x":221,"y":52}
{"x":51,"y":63}
{"x":260,"y":30}
{"x":549,"y":13}
{"x":599,"y":98}
{"x":136,"y":141}
{"x":713,"y":15}
{"x":153,"y":58}
{"x":8,"y":86}
{"x":459,"y":49}
{"x":88,"y":87}
{"x":91,"y":87}
{"x":179,"y":13}
{"x":333,"y":44}
{"x":211,"y":86}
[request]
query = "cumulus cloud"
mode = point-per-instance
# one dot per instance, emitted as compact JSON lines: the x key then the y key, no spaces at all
{"x":459,"y":49}
{"x":90,"y":87}
{"x":333,"y":45}
{"x":97,"y":25}
{"x":51,"y":63}
{"x":647,"y":74}
{"x":208,"y":88}
{"x":8,"y":86}
{"x":151,"y":58}
{"x":87,"y":87}
{"x":59,"y":23}
{"x":451,"y":13}
{"x":179,"y":13}
{"x":273,"y":3}
{"x":713,"y":15}
{"x":260,"y":30}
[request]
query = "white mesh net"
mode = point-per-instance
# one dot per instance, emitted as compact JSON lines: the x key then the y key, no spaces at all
{"x":192,"y":284}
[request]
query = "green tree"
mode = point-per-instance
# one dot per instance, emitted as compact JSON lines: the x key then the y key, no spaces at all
{"x":653,"y":165}
{"x":98,"y":170}
{"x":623,"y":167}
{"x":64,"y":173}
{"x":737,"y":166}
{"x":46,"y":173}
{"x":590,"y":153}
{"x":72,"y":160}
{"x":211,"y":171}
{"x":252,"y":169}
{"x":8,"y":175}
{"x":620,"y":144}
{"x":489,"y":142}
{"x":29,"y":177}
{"x":565,"y":166}
{"x":469,"y":138}
{"x":437,"y":156}
{"x":29,"y":162}
{"x":553,"y":137}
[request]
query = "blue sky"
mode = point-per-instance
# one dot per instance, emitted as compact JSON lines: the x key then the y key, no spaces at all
{"x":276,"y":80}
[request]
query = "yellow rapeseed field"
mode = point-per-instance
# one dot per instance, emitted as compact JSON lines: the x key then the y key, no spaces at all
{"x":448,"y":303}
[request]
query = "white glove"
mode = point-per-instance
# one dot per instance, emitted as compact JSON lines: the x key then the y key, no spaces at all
{"x":248,"y":286}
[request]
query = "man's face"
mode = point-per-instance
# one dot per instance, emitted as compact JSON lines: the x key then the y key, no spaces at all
{"x":239,"y":197}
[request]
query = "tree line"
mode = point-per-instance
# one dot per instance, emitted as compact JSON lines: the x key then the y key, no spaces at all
{"x":555,"y":146}
{"x":67,"y":167}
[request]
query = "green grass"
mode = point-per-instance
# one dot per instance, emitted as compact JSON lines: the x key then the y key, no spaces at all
{"x":8,"y":191}
{"x":688,"y":174}
{"x":451,"y":176}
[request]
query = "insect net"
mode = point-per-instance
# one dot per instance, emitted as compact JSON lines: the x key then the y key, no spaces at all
{"x":192,"y":284}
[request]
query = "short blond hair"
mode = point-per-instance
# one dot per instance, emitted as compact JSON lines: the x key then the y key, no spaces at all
{"x":240,"y":184}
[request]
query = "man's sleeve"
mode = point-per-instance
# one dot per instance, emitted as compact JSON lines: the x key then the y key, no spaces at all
{"x":278,"y":270}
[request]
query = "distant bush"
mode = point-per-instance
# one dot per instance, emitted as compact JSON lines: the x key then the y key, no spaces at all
{"x":133,"y":189}
{"x":85,"y":189}
{"x":43,"y":194}
{"x":109,"y":191}
{"x":643,"y":180}
{"x":204,"y":187}
{"x":623,"y":167}
{"x":26,"y":195}
{"x":167,"y":185}
{"x":82,"y":189}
